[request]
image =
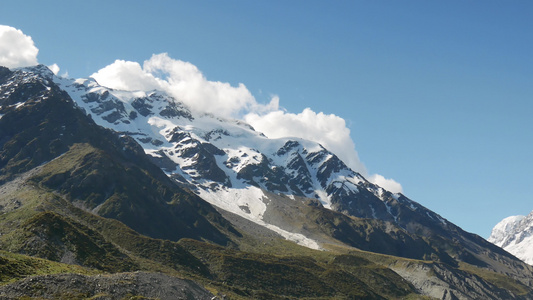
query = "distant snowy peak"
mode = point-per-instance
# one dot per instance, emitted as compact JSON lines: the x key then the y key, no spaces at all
{"x":502,"y":231}
{"x":36,"y":71}
{"x":515,"y":234}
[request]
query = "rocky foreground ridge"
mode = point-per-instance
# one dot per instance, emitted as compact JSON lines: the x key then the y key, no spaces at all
{"x":115,"y":286}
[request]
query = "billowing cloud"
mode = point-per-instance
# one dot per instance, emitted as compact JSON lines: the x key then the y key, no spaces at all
{"x":389,"y":184}
{"x":54,"y":68}
{"x":126,"y":75}
{"x":16,"y":48}
{"x":328,"y":130}
{"x":180,"y":79}
{"x":186,"y":83}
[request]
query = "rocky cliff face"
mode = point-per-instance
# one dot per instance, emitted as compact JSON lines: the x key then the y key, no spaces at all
{"x":117,"y":286}
{"x":449,"y":283}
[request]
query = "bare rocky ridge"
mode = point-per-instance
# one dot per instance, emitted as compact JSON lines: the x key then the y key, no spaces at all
{"x":116,"y":286}
{"x":441,"y":282}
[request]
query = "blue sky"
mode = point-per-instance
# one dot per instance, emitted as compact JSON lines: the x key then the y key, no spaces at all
{"x":437,"y":94}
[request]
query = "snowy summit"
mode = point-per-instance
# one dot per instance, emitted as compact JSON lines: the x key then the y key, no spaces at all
{"x":515,"y":234}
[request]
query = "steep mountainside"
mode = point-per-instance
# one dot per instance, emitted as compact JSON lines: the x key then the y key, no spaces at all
{"x":77,"y":193}
{"x":66,"y":184}
{"x":92,"y":167}
{"x":65,"y":180}
{"x":241,"y":171}
{"x":515,"y":234}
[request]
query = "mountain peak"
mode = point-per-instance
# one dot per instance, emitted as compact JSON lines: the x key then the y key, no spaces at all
{"x":504,"y":228}
{"x":39,"y":69}
{"x":233,"y":167}
{"x":515,"y":234}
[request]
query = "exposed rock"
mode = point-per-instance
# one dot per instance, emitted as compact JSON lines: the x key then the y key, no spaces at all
{"x":116,"y":286}
{"x":441,"y":282}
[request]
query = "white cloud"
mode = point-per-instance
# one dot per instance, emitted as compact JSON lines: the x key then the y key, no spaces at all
{"x":126,"y":75}
{"x":389,"y":184}
{"x":328,"y":130}
{"x":180,"y":79}
{"x":54,"y":68}
{"x":187,"y":84}
{"x":16,"y":48}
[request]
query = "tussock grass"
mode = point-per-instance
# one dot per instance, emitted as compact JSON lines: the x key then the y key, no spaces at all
{"x":17,"y":266}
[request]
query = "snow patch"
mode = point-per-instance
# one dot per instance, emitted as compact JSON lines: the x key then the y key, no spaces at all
{"x":253,"y":199}
{"x":232,"y":200}
{"x":323,"y":198}
{"x":298,"y":238}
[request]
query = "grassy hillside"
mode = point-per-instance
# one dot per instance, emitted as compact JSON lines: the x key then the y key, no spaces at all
{"x":46,"y":224}
{"x":43,"y":218}
{"x":16,"y":266}
{"x":58,"y":231}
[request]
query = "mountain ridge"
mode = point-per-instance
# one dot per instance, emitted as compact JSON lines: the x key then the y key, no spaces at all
{"x":199,"y":151}
{"x":68,"y":186}
{"x":216,"y":157}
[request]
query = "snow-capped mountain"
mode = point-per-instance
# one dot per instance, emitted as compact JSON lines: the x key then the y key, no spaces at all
{"x":241,"y":171}
{"x":515,"y":234}
{"x":294,"y":187}
{"x":233,"y":167}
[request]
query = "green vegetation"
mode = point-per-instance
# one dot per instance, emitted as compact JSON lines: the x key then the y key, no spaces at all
{"x":144,"y":199}
{"x":297,"y":272}
{"x":55,"y":229}
{"x":48,"y":226}
{"x":17,"y":266}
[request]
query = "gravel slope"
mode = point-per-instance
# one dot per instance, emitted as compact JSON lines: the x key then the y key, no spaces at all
{"x":116,"y":286}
